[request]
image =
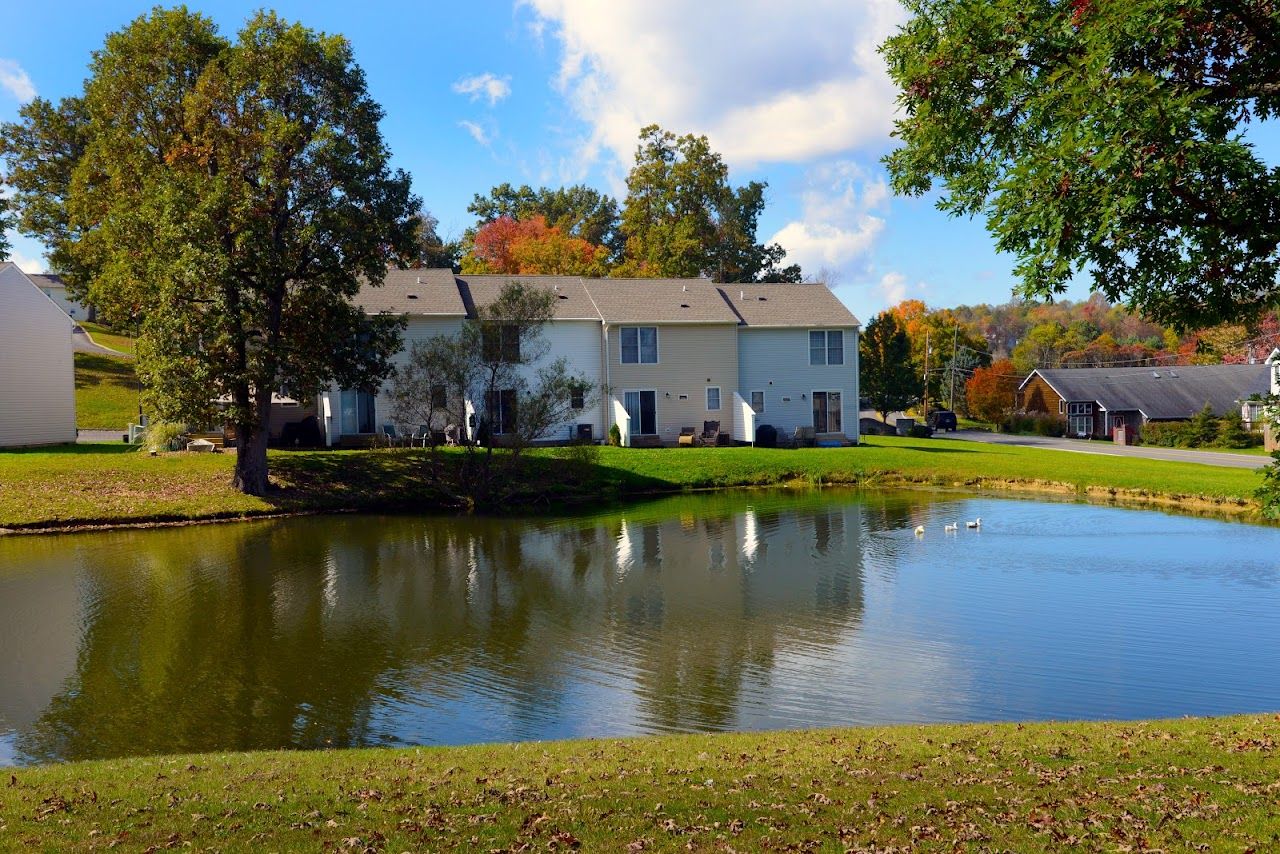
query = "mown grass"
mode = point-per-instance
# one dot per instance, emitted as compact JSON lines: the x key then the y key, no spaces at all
{"x":1207,"y":784}
{"x":57,"y":488}
{"x":106,"y":392}
{"x":106,"y":337}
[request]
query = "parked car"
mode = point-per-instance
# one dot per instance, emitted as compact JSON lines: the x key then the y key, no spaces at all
{"x":942,"y":419}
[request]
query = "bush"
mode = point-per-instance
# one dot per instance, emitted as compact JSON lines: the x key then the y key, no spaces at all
{"x":1232,"y":433}
{"x":164,"y":436}
{"x":615,"y":436}
{"x":1048,"y":425}
{"x":1204,"y":430}
{"x":920,"y":431}
{"x":580,"y":459}
{"x":1165,"y":434}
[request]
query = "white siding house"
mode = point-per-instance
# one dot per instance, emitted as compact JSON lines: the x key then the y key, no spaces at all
{"x":37,"y":373}
{"x":55,"y":289}
{"x":797,"y":358}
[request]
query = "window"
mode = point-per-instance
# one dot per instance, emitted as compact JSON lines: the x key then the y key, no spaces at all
{"x":501,"y":342}
{"x":826,"y":347}
{"x":439,"y":399}
{"x":578,"y":398}
{"x":713,"y":397}
{"x":1062,"y":407}
{"x":500,"y":406}
{"x":1080,"y":419}
{"x":757,"y":402}
{"x":639,"y":345}
{"x":1080,"y":409}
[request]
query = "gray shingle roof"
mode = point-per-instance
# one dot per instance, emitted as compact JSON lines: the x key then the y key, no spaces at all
{"x":47,"y":280}
{"x":660,"y":301}
{"x":788,"y":305}
{"x":1160,"y":392}
{"x":414,"y":292}
{"x":572,"y":300}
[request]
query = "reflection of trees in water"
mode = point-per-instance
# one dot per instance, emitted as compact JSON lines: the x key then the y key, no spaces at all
{"x":306,"y":632}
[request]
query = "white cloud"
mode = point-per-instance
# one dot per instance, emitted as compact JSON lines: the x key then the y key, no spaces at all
{"x":16,"y":81}
{"x":764,"y":83}
{"x":893,"y":287}
{"x":26,"y":263}
{"x":486,"y":85}
{"x":838,"y":223}
{"x":478,"y":133}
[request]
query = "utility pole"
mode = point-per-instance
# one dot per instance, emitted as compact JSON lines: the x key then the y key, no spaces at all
{"x":926,"y":376}
{"x":955,"y":337}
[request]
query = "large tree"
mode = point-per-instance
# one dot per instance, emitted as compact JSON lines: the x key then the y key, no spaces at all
{"x":682,"y":218}
{"x":578,"y":211}
{"x":6,"y":220}
{"x":230,"y":198}
{"x":1102,"y":136}
{"x":888,"y":378}
{"x":430,"y":250}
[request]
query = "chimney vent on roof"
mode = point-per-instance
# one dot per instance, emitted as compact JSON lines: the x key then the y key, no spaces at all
{"x":412,"y":296}
{"x":1173,"y":374}
{"x":419,"y":280}
{"x":742,"y":294}
{"x":1155,"y":374}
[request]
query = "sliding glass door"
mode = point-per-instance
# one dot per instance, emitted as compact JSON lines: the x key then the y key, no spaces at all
{"x":642,"y":409}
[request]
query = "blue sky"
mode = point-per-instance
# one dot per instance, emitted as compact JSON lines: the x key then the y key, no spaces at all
{"x":554,"y":91}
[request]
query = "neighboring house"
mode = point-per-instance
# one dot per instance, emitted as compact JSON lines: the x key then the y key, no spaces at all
{"x":664,"y":355}
{"x":1095,"y":401}
{"x":672,"y":356}
{"x":797,"y":358}
{"x":56,"y":289}
{"x":37,"y":372}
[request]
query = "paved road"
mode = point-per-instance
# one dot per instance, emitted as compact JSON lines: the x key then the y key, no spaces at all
{"x":1081,"y":446}
{"x":82,"y":343}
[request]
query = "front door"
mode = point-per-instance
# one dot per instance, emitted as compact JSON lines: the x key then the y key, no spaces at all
{"x":826,"y":412}
{"x":642,"y":409}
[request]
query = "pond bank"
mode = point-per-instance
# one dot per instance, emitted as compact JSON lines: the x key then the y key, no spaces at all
{"x":98,"y":486}
{"x":1202,"y":784}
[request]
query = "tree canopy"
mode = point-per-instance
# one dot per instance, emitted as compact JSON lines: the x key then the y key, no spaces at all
{"x":579,"y":211}
{"x":888,"y":379}
{"x":1102,"y":137}
{"x":230,"y":198}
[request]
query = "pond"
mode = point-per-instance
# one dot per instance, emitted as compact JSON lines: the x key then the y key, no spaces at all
{"x":719,"y":612}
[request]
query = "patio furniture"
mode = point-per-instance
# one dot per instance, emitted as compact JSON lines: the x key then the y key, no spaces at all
{"x":686,"y":437}
{"x":392,"y":437}
{"x":710,"y":433}
{"x":804,"y":437}
{"x":422,"y":434}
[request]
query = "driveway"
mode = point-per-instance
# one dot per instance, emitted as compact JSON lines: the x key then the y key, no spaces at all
{"x":82,"y":342}
{"x":1081,"y":446}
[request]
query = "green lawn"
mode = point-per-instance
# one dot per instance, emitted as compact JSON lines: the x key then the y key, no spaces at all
{"x":112,"y":484}
{"x":106,"y":392}
{"x":1206,"y":784}
{"x":106,"y":337}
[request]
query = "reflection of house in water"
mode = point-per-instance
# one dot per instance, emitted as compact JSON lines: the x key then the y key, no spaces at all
{"x":358,"y":630}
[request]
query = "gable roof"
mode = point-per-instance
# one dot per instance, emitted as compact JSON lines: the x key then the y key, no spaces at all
{"x":415,"y":292}
{"x":46,"y":280}
{"x":572,"y":300}
{"x":1161,"y":392}
{"x":660,"y":301}
{"x":787,"y":305}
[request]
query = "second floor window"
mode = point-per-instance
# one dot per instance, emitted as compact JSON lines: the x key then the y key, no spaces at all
{"x":639,"y":345}
{"x":826,"y":347}
{"x":501,"y":342}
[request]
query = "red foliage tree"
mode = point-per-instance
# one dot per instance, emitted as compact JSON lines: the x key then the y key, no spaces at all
{"x":990,"y":392}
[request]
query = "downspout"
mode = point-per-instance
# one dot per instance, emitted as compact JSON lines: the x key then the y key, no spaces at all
{"x":606,"y":393}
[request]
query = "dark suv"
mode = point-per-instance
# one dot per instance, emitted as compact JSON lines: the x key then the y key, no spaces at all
{"x":942,"y":419}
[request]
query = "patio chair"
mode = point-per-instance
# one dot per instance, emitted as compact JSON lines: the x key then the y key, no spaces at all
{"x":686,"y":437}
{"x":710,"y":433}
{"x":389,"y":433}
{"x":422,"y":434}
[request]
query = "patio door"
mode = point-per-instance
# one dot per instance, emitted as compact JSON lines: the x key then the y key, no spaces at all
{"x":356,"y":409}
{"x":642,"y":409}
{"x":826,"y":412}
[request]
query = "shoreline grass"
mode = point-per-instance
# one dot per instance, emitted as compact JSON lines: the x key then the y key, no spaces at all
{"x":1193,"y":784}
{"x":102,"y":485}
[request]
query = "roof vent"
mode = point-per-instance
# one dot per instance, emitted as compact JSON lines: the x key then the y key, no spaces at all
{"x":1173,"y":374}
{"x":412,"y":296}
{"x":742,"y":294}
{"x":561,"y":296}
{"x":419,"y":280}
{"x":684,"y":288}
{"x":763,"y":299}
{"x":1155,"y":374}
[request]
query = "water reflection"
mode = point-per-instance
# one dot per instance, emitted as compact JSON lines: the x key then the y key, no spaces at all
{"x":744,"y":611}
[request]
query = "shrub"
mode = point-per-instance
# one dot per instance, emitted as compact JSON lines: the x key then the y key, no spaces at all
{"x":1232,"y":433}
{"x":1202,"y":429}
{"x":1165,"y":434}
{"x":615,"y":436}
{"x":920,"y":431}
{"x":1048,"y":425}
{"x":164,"y":436}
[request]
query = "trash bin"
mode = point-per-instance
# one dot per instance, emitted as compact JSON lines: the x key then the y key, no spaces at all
{"x":766,"y":436}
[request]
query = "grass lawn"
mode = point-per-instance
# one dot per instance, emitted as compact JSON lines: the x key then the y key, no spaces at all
{"x":106,"y":392}
{"x":1201,"y":784}
{"x":105,"y":337}
{"x":101,"y":484}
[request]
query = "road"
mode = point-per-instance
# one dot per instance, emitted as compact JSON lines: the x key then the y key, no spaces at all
{"x":1081,"y":446}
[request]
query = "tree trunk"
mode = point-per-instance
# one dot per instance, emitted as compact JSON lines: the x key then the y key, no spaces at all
{"x":251,"y":460}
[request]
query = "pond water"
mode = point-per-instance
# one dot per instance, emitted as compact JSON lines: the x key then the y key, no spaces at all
{"x":720,"y":612}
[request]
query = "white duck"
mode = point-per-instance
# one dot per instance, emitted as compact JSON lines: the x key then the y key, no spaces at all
{"x":976,"y":523}
{"x":952,"y":528}
{"x":919,"y":530}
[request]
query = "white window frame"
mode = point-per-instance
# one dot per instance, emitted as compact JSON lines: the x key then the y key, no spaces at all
{"x":813,"y":393}
{"x":640,"y":360}
{"x":751,"y":397}
{"x":719,"y":399}
{"x":1062,"y":407}
{"x":826,"y":347}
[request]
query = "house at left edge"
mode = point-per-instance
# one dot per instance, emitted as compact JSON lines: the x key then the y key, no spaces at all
{"x":37,"y":371}
{"x":667,"y":355}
